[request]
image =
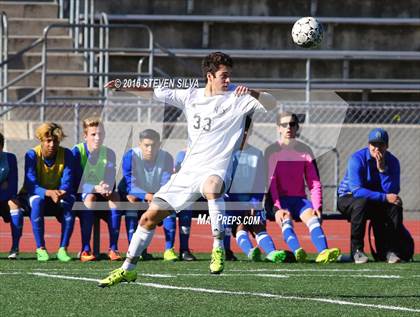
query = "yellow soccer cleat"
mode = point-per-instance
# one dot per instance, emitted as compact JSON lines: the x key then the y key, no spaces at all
{"x":117,"y":276}
{"x":217,"y":263}
{"x":170,"y":255}
{"x":301,"y":256}
{"x":328,"y":256}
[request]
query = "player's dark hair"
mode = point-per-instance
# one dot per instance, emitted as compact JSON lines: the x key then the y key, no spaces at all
{"x":1,"y":140}
{"x":211,"y":63}
{"x":149,"y":134}
{"x":283,"y":114}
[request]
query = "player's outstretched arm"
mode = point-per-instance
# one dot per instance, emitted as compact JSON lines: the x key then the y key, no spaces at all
{"x":266,"y":99}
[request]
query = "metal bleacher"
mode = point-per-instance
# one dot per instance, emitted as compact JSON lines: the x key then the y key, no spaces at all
{"x":102,"y":61}
{"x":345,"y":57}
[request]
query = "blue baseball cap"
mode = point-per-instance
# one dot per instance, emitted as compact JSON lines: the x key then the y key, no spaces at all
{"x":378,"y":135}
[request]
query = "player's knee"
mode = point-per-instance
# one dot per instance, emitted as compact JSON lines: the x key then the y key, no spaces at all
{"x":150,"y":219}
{"x":360,"y":204}
{"x":35,"y":201}
{"x":89,"y":200}
{"x":213,"y":187}
{"x":13,"y":204}
{"x":241,"y":227}
{"x":147,"y":222}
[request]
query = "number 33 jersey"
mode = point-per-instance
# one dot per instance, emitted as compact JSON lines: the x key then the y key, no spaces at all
{"x":215,"y":126}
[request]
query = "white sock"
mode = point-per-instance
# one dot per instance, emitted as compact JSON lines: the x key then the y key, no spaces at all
{"x":217,"y":213}
{"x":140,"y":241}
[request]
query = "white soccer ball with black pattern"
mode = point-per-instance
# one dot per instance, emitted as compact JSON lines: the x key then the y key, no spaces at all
{"x":307,"y":32}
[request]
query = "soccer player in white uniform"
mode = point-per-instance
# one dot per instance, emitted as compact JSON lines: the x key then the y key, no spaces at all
{"x":216,"y":118}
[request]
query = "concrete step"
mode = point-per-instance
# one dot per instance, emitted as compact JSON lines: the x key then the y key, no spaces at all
{"x":34,"y":79}
{"x":75,"y":93}
{"x":366,"y":8}
{"x":253,"y":35}
{"x":18,"y":9}
{"x":18,"y":42}
{"x":35,"y":26}
{"x":67,"y":61}
{"x":280,"y":68}
{"x":212,"y":7}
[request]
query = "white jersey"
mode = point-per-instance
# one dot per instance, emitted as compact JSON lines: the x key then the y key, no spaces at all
{"x":215,"y":126}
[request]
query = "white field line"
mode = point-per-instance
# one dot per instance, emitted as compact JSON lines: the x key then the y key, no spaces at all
{"x":312,"y":270}
{"x":154,"y":275}
{"x":319,"y":270}
{"x":256,"y":294}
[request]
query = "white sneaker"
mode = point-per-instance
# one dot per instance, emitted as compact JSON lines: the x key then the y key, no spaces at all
{"x":360,"y":257}
{"x":13,"y":254}
{"x":392,"y":258}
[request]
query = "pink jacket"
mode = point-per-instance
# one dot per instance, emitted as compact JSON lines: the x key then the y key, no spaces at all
{"x":288,"y":169}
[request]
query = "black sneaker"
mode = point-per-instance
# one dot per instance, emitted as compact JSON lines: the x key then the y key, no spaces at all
{"x":229,"y":256}
{"x":187,"y":256}
{"x":360,"y":257}
{"x":146,"y":256}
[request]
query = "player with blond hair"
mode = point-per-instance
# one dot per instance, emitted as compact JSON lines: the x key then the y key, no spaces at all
{"x":48,"y":187}
{"x":95,"y":181}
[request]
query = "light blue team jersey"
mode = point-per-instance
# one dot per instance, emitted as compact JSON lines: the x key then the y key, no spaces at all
{"x":141,"y":177}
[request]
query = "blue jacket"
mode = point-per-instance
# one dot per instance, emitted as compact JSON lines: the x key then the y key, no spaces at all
{"x":8,"y":188}
{"x":363,"y":180}
{"x":32,"y":184}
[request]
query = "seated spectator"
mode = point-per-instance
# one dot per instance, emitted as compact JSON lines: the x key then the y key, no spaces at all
{"x":369,"y":190}
{"x":290,"y":165}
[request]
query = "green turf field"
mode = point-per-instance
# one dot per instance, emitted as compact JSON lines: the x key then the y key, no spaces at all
{"x":186,"y":289}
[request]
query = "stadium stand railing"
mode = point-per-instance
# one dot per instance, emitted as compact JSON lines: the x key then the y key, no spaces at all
{"x":4,"y":35}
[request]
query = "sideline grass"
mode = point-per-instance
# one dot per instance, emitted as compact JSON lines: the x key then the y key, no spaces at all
{"x":294,"y":285}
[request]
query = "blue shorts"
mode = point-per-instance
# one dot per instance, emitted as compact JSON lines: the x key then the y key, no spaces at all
{"x":295,"y":205}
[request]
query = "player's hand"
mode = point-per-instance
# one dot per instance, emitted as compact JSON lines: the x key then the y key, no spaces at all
{"x":107,"y":194}
{"x":394,"y":199}
{"x":54,"y":194}
{"x":110,"y":84}
{"x":62,"y":193}
{"x":99,"y":189}
{"x":148,"y":198}
{"x":282,"y":214}
{"x":241,"y":90}
{"x":132,"y":199}
{"x":380,"y":161}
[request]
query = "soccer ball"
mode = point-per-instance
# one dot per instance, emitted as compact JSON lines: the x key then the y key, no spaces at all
{"x":307,"y":32}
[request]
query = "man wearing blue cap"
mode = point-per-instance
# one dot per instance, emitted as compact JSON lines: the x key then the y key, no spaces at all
{"x":369,"y":190}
